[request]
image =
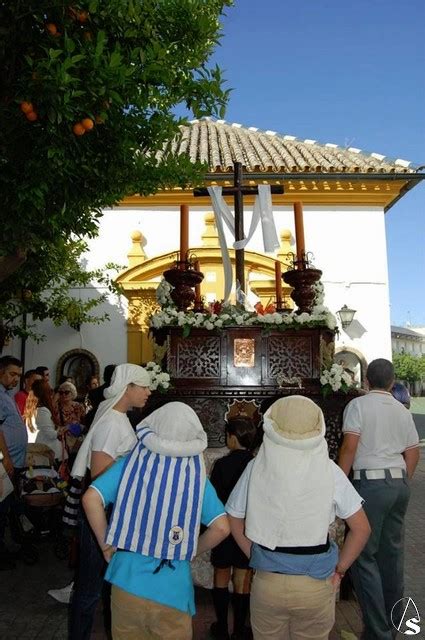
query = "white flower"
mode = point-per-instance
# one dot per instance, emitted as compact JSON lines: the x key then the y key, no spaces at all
{"x":208,"y":325}
{"x":163,"y":292}
{"x":225,"y":316}
{"x":303,"y":317}
{"x":218,"y":323}
{"x":159,"y":379}
{"x":347,"y":378}
{"x":331,"y":322}
{"x":156,"y":322}
{"x":318,"y":309}
{"x":336,"y":378}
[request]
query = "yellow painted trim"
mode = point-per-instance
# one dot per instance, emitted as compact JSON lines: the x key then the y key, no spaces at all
{"x":135,"y":279}
{"x":363,"y":193}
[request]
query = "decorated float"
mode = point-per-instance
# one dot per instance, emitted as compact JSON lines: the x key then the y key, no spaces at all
{"x":227,"y":358}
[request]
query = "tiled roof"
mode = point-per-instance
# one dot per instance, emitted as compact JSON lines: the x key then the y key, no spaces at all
{"x":220,"y":143}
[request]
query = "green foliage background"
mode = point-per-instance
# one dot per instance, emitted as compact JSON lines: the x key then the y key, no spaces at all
{"x":126,"y":65}
{"x":408,"y":367}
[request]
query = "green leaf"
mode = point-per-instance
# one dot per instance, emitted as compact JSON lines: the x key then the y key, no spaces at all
{"x":115,"y":59}
{"x":55,"y":53}
{"x":186,"y":330}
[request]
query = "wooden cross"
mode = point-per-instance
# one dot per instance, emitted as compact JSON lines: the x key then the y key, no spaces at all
{"x":238,"y":191}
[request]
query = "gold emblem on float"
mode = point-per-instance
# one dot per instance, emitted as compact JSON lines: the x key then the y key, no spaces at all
{"x":244,"y":352}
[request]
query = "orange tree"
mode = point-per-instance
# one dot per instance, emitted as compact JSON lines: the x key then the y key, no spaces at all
{"x":88,"y":94}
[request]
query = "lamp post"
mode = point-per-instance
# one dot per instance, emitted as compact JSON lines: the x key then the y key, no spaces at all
{"x":346,"y":316}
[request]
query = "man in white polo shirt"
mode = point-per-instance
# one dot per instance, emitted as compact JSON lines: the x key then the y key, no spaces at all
{"x":381,"y":446}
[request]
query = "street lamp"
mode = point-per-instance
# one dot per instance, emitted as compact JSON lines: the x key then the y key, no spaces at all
{"x":346,"y":316}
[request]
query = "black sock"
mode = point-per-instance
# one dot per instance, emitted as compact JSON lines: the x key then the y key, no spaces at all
{"x":240,"y":604}
{"x":221,"y":598}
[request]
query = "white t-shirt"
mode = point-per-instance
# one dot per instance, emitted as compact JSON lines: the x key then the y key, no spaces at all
{"x":385,"y":427}
{"x":114,"y":435}
{"x":346,"y":500}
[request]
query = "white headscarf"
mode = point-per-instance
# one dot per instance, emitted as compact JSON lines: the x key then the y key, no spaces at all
{"x":176,"y":431}
{"x":291,"y":488}
{"x":123,"y":375}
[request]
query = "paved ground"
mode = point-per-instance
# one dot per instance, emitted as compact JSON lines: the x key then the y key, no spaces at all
{"x":28,"y":613}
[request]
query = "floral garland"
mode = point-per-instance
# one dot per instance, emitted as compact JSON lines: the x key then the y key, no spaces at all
{"x":335,"y":379}
{"x":225,"y":315}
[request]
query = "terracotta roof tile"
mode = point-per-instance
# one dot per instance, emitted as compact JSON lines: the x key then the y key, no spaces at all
{"x":219,"y":144}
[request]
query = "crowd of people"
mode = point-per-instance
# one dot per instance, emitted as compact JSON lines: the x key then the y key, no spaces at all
{"x":145,"y":506}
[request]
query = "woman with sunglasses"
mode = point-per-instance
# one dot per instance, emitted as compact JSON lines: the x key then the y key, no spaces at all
{"x":68,"y":408}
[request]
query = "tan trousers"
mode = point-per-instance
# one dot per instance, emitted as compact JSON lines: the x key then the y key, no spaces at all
{"x":136,"y":618}
{"x":291,"y":607}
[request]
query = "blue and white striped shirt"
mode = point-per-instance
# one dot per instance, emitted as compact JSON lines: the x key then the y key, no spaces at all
{"x":134,"y":572}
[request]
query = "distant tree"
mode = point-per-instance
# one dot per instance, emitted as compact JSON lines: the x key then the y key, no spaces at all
{"x":408,"y":367}
{"x":88,"y":92}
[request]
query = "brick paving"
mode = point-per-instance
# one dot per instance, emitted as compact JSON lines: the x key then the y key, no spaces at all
{"x":28,"y":613}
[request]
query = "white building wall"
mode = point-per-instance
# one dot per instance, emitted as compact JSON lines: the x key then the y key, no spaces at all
{"x":348,"y":244}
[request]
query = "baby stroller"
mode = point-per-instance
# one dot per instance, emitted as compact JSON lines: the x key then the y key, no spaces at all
{"x":39,"y":511}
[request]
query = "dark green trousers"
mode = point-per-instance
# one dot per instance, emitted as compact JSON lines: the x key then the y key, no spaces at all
{"x":378,"y":573}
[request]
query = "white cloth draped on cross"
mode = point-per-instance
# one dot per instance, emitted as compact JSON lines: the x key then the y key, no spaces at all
{"x":262,"y":211}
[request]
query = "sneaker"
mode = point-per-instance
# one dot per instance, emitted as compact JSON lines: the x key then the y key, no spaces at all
{"x":62,"y":595}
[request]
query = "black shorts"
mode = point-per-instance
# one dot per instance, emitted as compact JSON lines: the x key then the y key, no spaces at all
{"x":228,"y":554}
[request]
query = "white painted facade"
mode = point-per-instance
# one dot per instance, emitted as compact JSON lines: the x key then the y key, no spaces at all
{"x":408,"y":340}
{"x":348,"y":244}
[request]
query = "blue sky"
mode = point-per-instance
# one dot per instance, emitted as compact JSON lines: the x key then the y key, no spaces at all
{"x":351,"y":73}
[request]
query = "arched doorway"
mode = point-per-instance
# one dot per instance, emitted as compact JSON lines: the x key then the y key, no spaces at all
{"x":354,"y":362}
{"x":80,"y":365}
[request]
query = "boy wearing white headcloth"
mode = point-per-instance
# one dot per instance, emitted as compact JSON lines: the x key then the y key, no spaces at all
{"x":161,"y":496}
{"x":280,"y":512}
{"x":110,"y":437}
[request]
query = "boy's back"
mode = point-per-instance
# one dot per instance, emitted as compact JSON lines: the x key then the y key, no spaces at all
{"x":227,"y":471}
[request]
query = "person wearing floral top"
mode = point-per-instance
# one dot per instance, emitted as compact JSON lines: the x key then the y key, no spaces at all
{"x":69,"y":410}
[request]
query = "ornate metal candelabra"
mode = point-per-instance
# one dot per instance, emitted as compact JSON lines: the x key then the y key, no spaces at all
{"x":301,"y":278}
{"x":183,"y":277}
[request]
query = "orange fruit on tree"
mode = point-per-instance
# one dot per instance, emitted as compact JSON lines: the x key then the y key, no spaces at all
{"x":78,"y":129}
{"x":52,"y":28}
{"x":26,"y":107}
{"x":82,"y":16}
{"x":31,"y":116}
{"x":87,"y":123}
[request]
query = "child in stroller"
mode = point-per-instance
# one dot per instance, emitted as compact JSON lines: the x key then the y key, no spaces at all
{"x":39,"y":508}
